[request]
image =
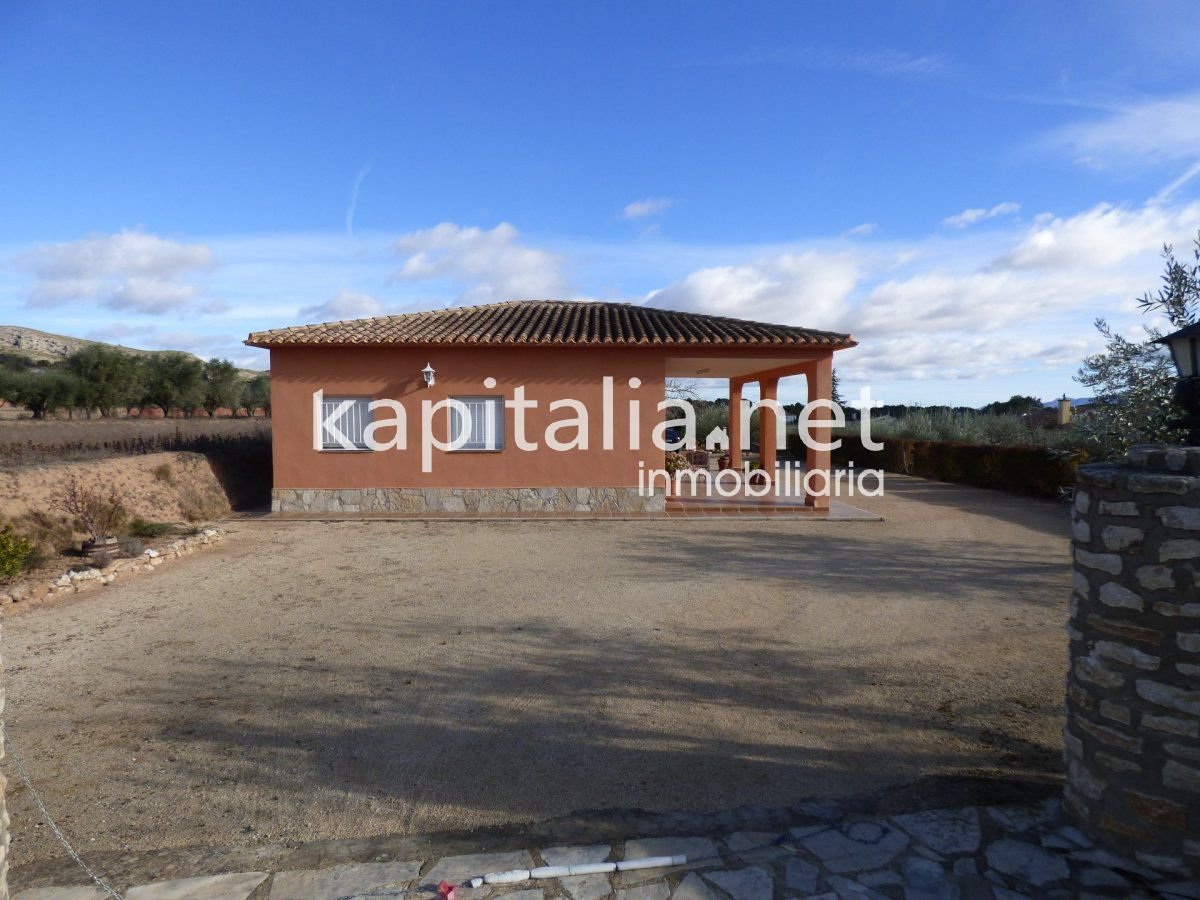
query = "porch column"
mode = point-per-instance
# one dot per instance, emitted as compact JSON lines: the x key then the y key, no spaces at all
{"x":768,"y":426}
{"x":735,"y":424}
{"x":820,"y":387}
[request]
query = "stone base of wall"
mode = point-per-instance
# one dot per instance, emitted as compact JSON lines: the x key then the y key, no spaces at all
{"x":441,"y":501}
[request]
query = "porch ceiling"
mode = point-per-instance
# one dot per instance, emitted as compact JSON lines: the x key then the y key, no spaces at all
{"x":727,"y":367}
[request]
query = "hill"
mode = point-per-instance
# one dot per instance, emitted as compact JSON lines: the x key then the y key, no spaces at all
{"x":43,"y":347}
{"x":28,"y":345}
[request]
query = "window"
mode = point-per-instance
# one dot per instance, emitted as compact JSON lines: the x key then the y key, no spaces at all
{"x":351,"y":422}
{"x":486,"y":423}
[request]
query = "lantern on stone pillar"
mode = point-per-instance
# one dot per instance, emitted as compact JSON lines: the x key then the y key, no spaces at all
{"x":1184,"y":345}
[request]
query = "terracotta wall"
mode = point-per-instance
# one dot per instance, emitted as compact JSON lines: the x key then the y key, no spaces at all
{"x":385,"y":372}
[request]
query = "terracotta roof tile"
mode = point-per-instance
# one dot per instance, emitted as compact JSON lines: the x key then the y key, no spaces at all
{"x":549,"y":322}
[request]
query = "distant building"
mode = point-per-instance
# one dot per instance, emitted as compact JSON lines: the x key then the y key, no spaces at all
{"x":718,"y":439}
{"x":1057,"y":413}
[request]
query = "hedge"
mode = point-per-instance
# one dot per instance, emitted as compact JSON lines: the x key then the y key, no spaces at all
{"x":1036,"y":471}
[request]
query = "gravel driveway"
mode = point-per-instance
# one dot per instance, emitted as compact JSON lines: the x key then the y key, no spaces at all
{"x":308,"y":681}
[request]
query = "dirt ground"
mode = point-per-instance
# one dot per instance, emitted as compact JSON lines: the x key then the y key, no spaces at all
{"x":160,"y":487}
{"x":309,"y":681}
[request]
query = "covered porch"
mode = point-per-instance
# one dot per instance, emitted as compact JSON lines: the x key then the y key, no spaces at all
{"x":787,"y":492}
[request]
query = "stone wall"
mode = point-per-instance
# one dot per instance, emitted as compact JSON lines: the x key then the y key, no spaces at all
{"x":488,"y":501}
{"x":1133,"y":690}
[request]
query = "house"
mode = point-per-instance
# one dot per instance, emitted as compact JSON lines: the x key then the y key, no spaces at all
{"x":515,"y":405}
{"x":717,"y":439}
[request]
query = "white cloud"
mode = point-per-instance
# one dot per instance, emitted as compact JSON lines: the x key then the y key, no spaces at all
{"x":1030,"y":304}
{"x":1006,"y":305}
{"x":130,"y":270}
{"x":491,"y":265}
{"x":966,"y":358}
{"x":971,"y":216}
{"x":346,"y":305}
{"x":974,"y":306}
{"x":866,"y":229}
{"x":118,"y":332}
{"x":207,"y":346}
{"x":1058,"y":269}
{"x":806,"y":288}
{"x":1160,"y":130}
{"x":1171,"y":188}
{"x":884,"y":63}
{"x":352,"y":204}
{"x":934,"y":303}
{"x":1154,"y":132}
{"x":1101,"y":237}
{"x":644,"y":209}
{"x":881,"y":63}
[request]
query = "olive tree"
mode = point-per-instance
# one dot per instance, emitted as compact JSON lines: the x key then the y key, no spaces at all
{"x":257,"y":394}
{"x":220,"y":386}
{"x":43,"y":393}
{"x":1133,"y":379}
{"x":173,"y":381}
{"x":108,"y":378}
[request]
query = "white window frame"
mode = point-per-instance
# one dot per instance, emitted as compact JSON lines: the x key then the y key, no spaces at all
{"x":352,"y":423}
{"x":479,"y":421}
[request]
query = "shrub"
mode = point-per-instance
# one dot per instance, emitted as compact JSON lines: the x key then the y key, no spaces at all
{"x":675,"y":462}
{"x":164,"y":473}
{"x":98,"y":512}
{"x":139,"y":527}
{"x":968,"y":428}
{"x":15,"y":552}
{"x":131,"y":546}
{"x":1040,"y":471}
{"x":102,"y":560}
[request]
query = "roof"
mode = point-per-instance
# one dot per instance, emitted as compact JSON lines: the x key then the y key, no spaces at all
{"x":1192,"y":330}
{"x":550,"y":322}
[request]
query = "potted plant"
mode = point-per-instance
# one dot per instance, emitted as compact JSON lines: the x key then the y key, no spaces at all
{"x":97,"y":512}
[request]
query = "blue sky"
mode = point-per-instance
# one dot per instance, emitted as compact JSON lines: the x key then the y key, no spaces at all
{"x":963,"y":186}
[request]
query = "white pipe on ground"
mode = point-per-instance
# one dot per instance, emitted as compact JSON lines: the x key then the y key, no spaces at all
{"x":651,"y":862}
{"x":593,"y":868}
{"x":515,"y":876}
{"x":510,"y":877}
{"x":550,"y":872}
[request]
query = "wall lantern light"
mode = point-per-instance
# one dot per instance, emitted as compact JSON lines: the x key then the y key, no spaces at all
{"x":428,"y":373}
{"x":1186,"y":353}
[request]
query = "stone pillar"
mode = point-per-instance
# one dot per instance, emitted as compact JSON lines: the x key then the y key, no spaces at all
{"x":1133,"y":690}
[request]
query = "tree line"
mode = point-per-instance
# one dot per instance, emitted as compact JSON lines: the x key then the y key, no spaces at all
{"x":103,"y":379}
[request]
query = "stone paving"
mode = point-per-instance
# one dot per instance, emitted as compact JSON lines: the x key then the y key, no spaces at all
{"x":972,"y":852}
